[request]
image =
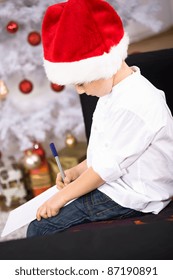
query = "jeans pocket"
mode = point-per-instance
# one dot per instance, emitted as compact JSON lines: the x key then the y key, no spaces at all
{"x":130,"y":213}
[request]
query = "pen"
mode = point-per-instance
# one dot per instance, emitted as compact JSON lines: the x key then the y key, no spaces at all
{"x":55,"y":154}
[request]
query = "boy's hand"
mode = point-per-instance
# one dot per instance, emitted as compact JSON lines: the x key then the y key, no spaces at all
{"x":51,"y":207}
{"x":70,"y":175}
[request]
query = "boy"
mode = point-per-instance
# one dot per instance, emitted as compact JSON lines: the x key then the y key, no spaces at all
{"x":128,"y":170}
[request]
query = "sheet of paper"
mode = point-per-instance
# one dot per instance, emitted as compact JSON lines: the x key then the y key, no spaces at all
{"x":26,"y":213}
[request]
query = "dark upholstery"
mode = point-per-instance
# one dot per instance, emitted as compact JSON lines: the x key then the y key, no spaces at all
{"x":146,"y":237}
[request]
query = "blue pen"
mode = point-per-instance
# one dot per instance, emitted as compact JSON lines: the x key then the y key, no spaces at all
{"x":55,"y":154}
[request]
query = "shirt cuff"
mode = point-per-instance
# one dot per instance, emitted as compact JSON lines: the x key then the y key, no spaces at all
{"x":108,"y":172}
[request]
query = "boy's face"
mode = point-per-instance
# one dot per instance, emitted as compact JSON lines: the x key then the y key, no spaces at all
{"x":97,"y":88}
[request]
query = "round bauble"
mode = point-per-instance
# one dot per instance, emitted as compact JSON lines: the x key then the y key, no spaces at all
{"x":25,"y":86}
{"x":12,"y":27}
{"x":34,"y":38}
{"x":31,"y":160}
{"x":70,"y":140}
{"x":38,"y":150}
{"x":56,"y":87}
{"x":3,"y":90}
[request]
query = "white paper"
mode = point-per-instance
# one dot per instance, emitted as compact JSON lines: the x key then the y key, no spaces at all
{"x":26,"y":213}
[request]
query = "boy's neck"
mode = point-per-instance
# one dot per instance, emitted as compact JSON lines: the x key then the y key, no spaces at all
{"x":122,"y":73}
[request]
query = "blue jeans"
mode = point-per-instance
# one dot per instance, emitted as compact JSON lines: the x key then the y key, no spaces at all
{"x":94,"y":206}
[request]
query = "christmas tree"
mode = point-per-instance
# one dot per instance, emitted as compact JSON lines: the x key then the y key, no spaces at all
{"x":32,"y":109}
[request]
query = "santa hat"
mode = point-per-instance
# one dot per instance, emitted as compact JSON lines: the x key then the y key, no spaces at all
{"x":83,"y":40}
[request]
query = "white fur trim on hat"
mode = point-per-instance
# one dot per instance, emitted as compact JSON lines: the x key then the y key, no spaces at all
{"x":90,"y":69}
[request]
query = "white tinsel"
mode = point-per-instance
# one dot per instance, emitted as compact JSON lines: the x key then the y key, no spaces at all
{"x":46,"y":116}
{"x":140,"y":11}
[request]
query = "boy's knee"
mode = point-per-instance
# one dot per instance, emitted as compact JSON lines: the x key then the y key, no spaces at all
{"x":33,"y":229}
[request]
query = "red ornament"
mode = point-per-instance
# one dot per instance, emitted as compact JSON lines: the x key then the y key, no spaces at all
{"x":56,"y":87}
{"x":38,"y":149}
{"x":25,"y":86}
{"x":34,"y":38}
{"x":12,"y":27}
{"x":34,"y":157}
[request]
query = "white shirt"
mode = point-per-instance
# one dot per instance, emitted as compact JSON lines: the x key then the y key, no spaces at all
{"x":131,"y":145}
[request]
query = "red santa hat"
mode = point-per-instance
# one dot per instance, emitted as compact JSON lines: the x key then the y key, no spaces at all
{"x":83,"y":40}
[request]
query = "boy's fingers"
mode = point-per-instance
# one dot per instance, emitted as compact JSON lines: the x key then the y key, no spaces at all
{"x":60,"y":185}
{"x":59,"y":181}
{"x":41,"y":213}
{"x":66,"y":181}
{"x":54,"y":213}
{"x":49,"y":214}
{"x":58,"y":177}
{"x":38,"y":217}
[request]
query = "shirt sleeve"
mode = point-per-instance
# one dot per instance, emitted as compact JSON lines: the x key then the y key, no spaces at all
{"x":116,"y":142}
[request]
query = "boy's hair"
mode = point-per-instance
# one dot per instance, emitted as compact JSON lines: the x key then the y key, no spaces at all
{"x":83,"y":40}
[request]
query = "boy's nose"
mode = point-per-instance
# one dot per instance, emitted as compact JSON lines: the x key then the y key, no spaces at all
{"x":79,"y":89}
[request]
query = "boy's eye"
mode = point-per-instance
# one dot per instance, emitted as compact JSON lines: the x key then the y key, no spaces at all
{"x":80,"y":85}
